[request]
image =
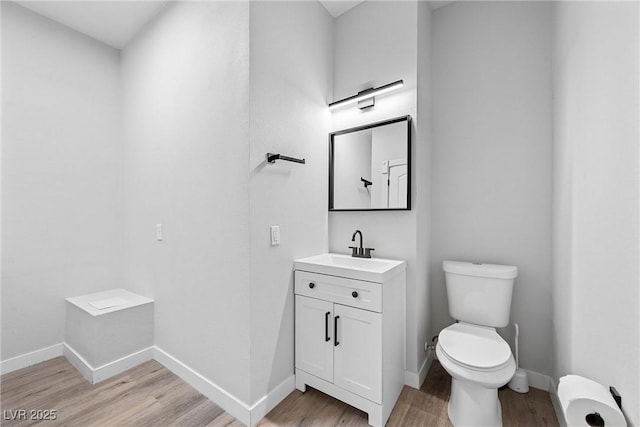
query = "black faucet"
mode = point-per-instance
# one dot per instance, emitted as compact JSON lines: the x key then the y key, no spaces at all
{"x":359,"y":252}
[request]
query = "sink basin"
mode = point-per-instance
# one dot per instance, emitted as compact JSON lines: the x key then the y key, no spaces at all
{"x":370,"y":269}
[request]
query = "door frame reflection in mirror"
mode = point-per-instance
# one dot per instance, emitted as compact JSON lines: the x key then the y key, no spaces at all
{"x":332,"y":136}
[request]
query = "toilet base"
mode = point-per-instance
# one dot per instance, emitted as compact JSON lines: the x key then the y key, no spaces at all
{"x":473,"y":405}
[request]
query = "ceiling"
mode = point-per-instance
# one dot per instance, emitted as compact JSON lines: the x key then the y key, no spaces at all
{"x":338,"y":7}
{"x":112,"y":22}
{"x":435,"y":4}
{"x":115,"y":23}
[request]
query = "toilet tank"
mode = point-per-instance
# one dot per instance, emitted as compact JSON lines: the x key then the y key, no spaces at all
{"x":479,"y":293}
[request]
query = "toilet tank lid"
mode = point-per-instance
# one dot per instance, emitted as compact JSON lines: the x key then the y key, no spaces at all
{"x":479,"y":269}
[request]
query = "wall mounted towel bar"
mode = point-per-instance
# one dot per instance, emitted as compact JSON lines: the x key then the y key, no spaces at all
{"x":271,"y":158}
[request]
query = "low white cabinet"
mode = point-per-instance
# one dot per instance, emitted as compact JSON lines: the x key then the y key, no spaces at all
{"x":349,"y":337}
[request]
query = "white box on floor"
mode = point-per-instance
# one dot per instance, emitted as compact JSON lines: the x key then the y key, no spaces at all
{"x":108,"y":332}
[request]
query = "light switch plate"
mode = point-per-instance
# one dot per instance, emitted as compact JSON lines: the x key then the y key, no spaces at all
{"x":275,"y":235}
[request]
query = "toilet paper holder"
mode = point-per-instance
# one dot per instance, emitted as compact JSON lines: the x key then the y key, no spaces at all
{"x":616,"y":396}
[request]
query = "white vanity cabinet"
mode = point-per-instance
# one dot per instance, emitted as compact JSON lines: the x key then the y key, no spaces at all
{"x":349,"y":334}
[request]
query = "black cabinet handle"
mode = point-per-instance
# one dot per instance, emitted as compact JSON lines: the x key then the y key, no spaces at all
{"x":312,"y":285}
{"x":326,"y":326}
{"x":335,"y":331}
{"x":354,"y":294}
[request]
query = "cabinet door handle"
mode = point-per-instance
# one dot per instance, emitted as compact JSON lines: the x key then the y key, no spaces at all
{"x":335,"y":331}
{"x":326,"y":326}
{"x":354,"y":294}
{"x":312,"y":285}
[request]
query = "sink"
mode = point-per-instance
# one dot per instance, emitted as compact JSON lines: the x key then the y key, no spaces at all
{"x":370,"y":269}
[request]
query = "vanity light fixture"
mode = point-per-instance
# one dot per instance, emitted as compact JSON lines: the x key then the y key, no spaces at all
{"x":365,"y":98}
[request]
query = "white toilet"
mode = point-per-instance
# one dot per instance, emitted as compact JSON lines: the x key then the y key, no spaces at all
{"x":471,"y":351}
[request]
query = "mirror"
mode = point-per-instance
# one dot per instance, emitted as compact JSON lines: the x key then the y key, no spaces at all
{"x":370,"y":167}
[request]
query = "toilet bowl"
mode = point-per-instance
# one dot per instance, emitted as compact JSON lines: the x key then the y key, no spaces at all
{"x":471,"y":351}
{"x":479,"y":362}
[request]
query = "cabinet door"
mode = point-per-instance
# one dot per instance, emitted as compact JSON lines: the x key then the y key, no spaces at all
{"x":314,"y":337}
{"x":358,"y":354}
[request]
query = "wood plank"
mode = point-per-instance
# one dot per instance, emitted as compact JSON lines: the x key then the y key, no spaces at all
{"x":424,"y":407}
{"x":150,"y":395}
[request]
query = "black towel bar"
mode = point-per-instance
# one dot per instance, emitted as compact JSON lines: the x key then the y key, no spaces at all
{"x":271,"y":158}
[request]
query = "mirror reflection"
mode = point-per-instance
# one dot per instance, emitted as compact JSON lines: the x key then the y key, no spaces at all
{"x":370,"y":167}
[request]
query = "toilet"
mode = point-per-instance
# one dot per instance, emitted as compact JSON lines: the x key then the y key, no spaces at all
{"x":471,"y":351}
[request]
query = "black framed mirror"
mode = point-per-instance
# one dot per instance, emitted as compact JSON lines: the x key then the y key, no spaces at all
{"x":370,"y":167}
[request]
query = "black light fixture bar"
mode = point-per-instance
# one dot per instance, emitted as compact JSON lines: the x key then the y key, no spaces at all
{"x":366,"y":94}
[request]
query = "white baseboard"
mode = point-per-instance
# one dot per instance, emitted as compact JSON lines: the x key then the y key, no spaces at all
{"x":248,"y":415}
{"x":217,"y":394}
{"x":108,"y":370}
{"x":415,"y":380}
{"x":271,"y":400}
{"x":79,"y":363}
{"x":28,"y":359}
{"x":539,"y":381}
{"x":116,"y":367}
{"x":553,"y":393}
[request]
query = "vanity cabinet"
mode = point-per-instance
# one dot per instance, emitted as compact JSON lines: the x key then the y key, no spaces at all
{"x":349,"y":338}
{"x":340,"y":344}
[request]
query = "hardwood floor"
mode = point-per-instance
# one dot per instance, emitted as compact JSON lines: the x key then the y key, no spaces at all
{"x":150,"y":395}
{"x":424,"y":407}
{"x":147,"y":395}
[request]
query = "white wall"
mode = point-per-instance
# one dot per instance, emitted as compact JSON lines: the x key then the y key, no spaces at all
{"x":377,"y":43}
{"x":596,"y":320}
{"x":492,"y":165}
{"x":424,"y":144}
{"x":61,"y":175}
{"x":291,"y":82}
{"x":392,"y":28}
{"x":185,"y":83}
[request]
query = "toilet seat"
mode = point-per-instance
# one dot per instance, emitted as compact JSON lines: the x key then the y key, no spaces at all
{"x":474,"y":347}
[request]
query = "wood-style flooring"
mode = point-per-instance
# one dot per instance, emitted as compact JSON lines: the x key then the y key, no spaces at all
{"x":147,"y":395}
{"x":150,"y":395}
{"x":424,"y":407}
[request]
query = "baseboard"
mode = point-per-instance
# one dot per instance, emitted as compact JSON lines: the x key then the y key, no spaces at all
{"x":271,"y":399}
{"x":415,"y":380}
{"x":78,"y":362}
{"x":28,"y":359}
{"x":119,"y":366}
{"x":213,"y":392}
{"x":108,"y":370}
{"x":538,"y":380}
{"x":553,"y":394}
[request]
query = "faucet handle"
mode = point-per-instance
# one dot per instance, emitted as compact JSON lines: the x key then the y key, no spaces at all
{"x":367,"y":252}
{"x":354,"y":250}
